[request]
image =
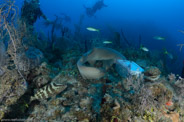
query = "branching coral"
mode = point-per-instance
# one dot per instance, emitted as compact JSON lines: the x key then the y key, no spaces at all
{"x":179,"y":88}
{"x":133,"y":83}
{"x":14,"y":32}
{"x":178,"y":84}
{"x":151,"y":96}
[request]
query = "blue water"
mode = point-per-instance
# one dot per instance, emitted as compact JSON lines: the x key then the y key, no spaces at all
{"x":56,"y":50}
{"x":147,"y":18}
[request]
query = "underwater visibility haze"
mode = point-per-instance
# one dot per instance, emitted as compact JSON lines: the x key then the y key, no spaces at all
{"x":92,"y":60}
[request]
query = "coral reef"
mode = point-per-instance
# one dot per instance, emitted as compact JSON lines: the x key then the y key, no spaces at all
{"x":111,"y":98}
{"x":41,"y":82}
{"x":12,"y":88}
{"x":29,"y":59}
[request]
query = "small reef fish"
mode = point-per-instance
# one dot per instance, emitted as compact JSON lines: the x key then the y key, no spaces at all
{"x":144,"y":48}
{"x":107,"y":42}
{"x":168,"y":54}
{"x":181,"y":31}
{"x":159,"y":38}
{"x":48,"y":91}
{"x":92,"y":29}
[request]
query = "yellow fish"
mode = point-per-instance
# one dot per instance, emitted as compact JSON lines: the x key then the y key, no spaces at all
{"x":92,"y":29}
